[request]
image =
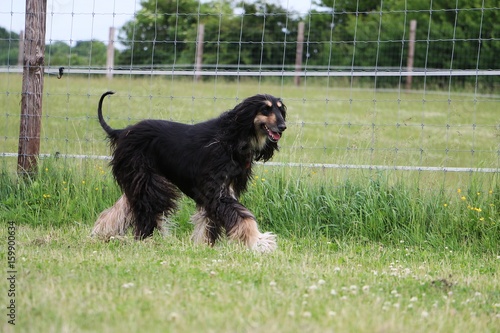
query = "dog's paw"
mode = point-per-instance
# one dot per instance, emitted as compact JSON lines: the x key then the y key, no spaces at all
{"x":265,"y":243}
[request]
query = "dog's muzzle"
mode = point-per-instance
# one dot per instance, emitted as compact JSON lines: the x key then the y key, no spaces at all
{"x":274,"y":136}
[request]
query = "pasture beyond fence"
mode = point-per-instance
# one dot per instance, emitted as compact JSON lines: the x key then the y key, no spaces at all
{"x":387,"y":87}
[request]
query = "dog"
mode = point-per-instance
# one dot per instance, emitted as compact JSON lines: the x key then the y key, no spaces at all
{"x":211,"y":162}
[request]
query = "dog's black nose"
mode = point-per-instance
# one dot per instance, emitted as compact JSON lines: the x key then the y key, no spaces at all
{"x":282,"y":127}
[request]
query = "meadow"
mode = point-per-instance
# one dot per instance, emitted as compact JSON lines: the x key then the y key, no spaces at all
{"x":359,"y":250}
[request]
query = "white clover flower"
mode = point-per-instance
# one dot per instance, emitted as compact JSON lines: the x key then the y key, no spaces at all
{"x":128,"y":285}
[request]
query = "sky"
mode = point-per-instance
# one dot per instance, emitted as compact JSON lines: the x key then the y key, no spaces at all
{"x":73,"y":20}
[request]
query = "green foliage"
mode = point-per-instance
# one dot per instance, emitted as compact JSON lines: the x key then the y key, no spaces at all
{"x":449,"y":35}
{"x":292,"y":205}
{"x":84,"y":53}
{"x":373,"y":33}
{"x":9,"y":47}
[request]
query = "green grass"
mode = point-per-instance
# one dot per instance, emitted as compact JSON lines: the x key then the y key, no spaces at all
{"x":68,"y":282}
{"x":292,"y":203}
{"x":359,"y":250}
{"x":327,"y":123}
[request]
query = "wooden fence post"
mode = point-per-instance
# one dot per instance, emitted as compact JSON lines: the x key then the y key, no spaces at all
{"x":411,"y":53}
{"x":32,"y":89}
{"x":199,"y":51}
{"x":20,"y":56}
{"x":299,"y":52}
{"x":110,"y":55}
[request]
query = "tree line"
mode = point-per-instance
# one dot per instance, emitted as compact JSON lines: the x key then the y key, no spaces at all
{"x":342,"y":33}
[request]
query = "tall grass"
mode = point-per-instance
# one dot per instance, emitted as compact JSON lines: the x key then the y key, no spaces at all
{"x":292,"y":203}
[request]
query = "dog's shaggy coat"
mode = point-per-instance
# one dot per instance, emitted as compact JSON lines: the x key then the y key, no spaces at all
{"x":211,"y":162}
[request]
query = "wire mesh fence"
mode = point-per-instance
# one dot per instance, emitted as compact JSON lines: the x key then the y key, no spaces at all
{"x":363,"y":90}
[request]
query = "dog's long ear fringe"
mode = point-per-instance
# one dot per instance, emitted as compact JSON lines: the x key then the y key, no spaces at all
{"x":268,"y":152}
{"x":112,"y":133}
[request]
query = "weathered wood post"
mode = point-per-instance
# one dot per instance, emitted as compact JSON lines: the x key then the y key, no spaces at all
{"x":199,"y":50}
{"x":411,"y":53}
{"x":299,"y":52}
{"x":110,"y":55}
{"x":32,"y":88}
{"x":20,"y":56}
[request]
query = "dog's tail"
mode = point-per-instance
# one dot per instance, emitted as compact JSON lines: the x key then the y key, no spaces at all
{"x":112,"y":133}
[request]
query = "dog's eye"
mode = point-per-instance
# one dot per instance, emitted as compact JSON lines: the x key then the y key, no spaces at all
{"x":267,"y":110}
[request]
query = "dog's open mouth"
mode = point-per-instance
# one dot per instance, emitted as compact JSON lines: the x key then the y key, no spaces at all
{"x":273,"y":136}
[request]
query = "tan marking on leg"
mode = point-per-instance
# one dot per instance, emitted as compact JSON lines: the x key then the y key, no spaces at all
{"x":113,"y":221}
{"x":247,"y":232}
{"x":163,"y":225}
{"x":201,"y":224}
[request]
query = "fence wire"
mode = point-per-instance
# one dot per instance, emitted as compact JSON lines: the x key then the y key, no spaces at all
{"x":351,"y":107}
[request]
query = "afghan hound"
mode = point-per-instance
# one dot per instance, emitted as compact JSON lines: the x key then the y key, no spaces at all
{"x":210,"y":162}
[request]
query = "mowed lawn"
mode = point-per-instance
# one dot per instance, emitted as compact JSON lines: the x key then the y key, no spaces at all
{"x":68,"y":282}
{"x":359,"y":250}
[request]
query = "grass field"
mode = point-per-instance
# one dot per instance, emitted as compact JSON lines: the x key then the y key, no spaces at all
{"x":68,"y":282}
{"x":326,"y":123}
{"x":359,"y":250}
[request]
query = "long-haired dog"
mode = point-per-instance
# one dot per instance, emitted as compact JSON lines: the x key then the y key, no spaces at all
{"x":211,"y":162}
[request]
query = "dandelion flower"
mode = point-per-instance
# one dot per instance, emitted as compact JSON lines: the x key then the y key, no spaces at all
{"x":463,"y":198}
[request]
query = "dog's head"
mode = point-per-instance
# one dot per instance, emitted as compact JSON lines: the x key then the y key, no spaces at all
{"x":262,"y":122}
{"x":269,"y":124}
{"x":269,"y":121}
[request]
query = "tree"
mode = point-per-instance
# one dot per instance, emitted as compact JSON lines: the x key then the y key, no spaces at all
{"x":261,"y":33}
{"x":9,"y":44}
{"x":165,"y":31}
{"x":375,"y":33}
{"x":89,"y":53}
{"x":157,"y":34}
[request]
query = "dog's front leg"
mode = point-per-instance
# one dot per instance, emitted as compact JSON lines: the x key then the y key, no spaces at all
{"x":241,"y":226}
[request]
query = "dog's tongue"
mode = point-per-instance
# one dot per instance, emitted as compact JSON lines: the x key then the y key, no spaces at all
{"x":274,"y":135}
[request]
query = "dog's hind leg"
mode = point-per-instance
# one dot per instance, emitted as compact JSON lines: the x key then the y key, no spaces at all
{"x":113,"y":221}
{"x":150,"y":196}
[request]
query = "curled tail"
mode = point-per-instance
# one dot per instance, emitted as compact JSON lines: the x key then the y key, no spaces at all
{"x":112,"y":133}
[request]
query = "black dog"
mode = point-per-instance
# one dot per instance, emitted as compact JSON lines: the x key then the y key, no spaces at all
{"x":211,"y":162}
